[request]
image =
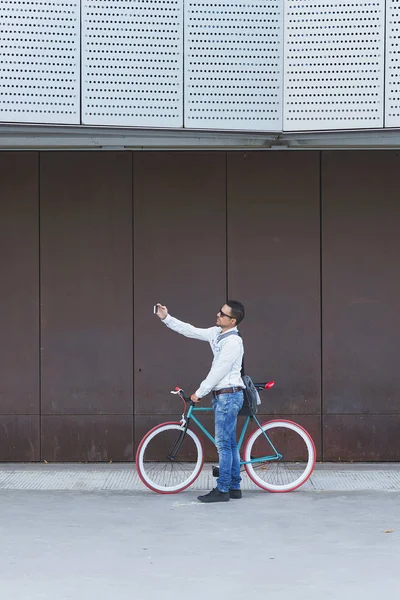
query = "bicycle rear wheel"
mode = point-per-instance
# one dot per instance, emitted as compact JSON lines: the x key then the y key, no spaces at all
{"x":168,"y":459}
{"x":296,"y":459}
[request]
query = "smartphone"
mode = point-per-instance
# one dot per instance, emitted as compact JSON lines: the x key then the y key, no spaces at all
{"x":155,"y":308}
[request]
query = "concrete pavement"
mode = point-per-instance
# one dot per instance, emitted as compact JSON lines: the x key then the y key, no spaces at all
{"x":132,"y":545}
{"x":100,"y":544}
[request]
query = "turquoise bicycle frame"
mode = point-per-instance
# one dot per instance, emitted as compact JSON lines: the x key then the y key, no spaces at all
{"x":190,"y":415}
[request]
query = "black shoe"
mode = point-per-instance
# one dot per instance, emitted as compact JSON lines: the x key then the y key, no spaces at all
{"x":235,"y":494}
{"x":215,"y":496}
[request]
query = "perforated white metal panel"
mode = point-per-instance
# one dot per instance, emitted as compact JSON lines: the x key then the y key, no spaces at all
{"x":39,"y":61}
{"x":132,"y":62}
{"x":334,"y":54}
{"x":392,"y":64}
{"x":233,"y":64}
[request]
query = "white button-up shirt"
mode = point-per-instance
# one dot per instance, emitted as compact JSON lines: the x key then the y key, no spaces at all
{"x":227,"y":350}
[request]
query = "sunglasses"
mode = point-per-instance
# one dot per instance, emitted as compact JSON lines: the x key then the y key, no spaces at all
{"x":224,"y":314}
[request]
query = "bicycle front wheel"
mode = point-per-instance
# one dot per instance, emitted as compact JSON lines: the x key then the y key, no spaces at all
{"x":169,"y":459}
{"x":283,"y":455}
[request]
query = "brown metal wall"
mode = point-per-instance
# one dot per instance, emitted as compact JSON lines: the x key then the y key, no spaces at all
{"x":203,"y":224}
{"x":274,"y":269}
{"x":86,"y":300}
{"x":180,"y":261}
{"x":361,"y":299}
{"x":19,"y":307}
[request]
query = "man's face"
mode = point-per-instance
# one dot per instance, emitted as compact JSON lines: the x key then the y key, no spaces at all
{"x":224,"y":318}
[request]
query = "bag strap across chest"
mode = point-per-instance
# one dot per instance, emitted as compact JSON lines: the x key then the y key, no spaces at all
{"x":225,"y":335}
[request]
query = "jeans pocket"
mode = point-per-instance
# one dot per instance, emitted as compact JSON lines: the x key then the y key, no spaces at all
{"x":221,"y":404}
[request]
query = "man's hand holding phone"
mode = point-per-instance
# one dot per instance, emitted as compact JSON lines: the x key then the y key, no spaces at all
{"x":161,"y":311}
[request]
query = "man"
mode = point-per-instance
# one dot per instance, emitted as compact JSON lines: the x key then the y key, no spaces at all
{"x":224,"y":380}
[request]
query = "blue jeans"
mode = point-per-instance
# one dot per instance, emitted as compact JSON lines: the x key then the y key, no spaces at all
{"x":226,"y":409}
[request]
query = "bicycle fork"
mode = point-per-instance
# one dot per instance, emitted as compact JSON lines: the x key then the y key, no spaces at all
{"x":178,"y":444}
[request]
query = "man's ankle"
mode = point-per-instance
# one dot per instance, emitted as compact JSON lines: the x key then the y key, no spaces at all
{"x":235,"y":494}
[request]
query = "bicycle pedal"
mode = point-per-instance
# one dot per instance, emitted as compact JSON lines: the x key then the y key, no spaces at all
{"x":215,"y":471}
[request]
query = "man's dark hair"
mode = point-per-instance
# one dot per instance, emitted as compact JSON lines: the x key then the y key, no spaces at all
{"x":237,"y":310}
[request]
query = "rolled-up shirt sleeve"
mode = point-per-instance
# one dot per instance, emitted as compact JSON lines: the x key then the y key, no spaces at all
{"x":231,"y":352}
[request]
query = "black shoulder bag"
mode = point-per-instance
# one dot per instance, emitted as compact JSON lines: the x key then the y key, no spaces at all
{"x":250,"y":393}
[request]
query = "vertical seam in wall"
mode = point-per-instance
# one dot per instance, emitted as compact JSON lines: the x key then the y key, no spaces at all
{"x":183,"y":65}
{"x":384,"y":65}
{"x":321,"y":305}
{"x":133,"y":304}
{"x":283,"y":96}
{"x":226,"y":229}
{"x":40,"y":310}
{"x":80,"y":62}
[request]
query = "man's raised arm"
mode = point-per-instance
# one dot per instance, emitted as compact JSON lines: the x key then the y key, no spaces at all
{"x":185,"y":329}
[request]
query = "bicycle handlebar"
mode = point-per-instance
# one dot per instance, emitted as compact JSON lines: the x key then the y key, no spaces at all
{"x":259,"y":386}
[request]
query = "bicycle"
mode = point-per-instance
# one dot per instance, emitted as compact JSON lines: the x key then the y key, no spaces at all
{"x":170,"y":456}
